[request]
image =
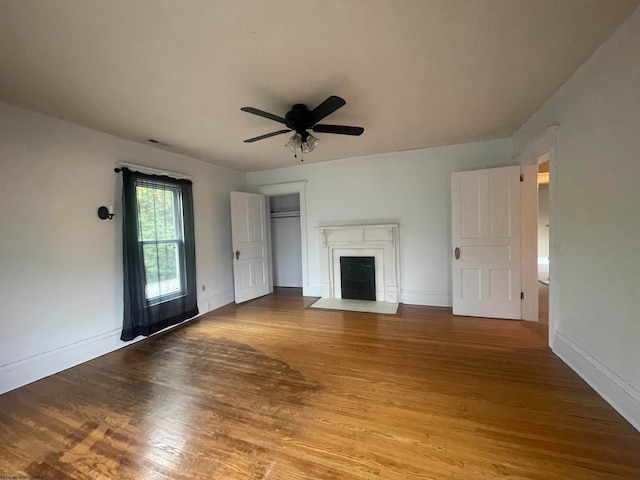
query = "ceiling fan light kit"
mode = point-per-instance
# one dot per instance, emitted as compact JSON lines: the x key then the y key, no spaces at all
{"x":310,"y":144}
{"x":305,"y":145}
{"x":300,"y":119}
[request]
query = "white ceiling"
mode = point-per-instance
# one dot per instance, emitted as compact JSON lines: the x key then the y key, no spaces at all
{"x":414,"y":73}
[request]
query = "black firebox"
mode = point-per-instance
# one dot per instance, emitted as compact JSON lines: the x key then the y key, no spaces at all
{"x":358,"y":278}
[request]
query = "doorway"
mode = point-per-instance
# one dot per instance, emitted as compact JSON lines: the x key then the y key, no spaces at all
{"x":286,"y":248}
{"x":543,"y":238}
{"x":543,"y":222}
{"x":538,"y":151}
{"x":298,"y":189}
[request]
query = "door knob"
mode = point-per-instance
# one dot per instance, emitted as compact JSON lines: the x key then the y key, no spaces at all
{"x":457,"y":253}
{"x":237,"y":254}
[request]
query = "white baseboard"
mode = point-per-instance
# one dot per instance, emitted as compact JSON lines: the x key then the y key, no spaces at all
{"x":424,"y":297}
{"x":213,"y":302}
{"x":312,"y":291}
{"x":22,"y":372}
{"x":621,"y":395}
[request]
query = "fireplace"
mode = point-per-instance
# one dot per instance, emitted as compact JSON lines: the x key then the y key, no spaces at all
{"x":379,"y":242}
{"x":358,"y":278}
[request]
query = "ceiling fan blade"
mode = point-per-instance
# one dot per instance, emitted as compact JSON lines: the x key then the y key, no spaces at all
{"x":260,"y":113}
{"x":339,"y":129}
{"x":267,"y":135}
{"x":326,"y":108}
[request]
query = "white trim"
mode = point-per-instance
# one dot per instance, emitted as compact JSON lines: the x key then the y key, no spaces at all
{"x":213,"y":302}
{"x":529,"y":229}
{"x":286,"y":189}
{"x":543,"y":260}
{"x":22,"y":372}
{"x":27,"y":370}
{"x":542,"y":148}
{"x":378,"y":241}
{"x":282,"y":188}
{"x":313,"y":291}
{"x":620,"y":394}
{"x":424,"y":297}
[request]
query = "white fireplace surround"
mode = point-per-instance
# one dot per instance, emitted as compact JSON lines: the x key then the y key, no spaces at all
{"x":378,"y":241}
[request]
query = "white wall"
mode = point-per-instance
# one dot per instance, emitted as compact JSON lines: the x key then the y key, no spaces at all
{"x":595,"y":231}
{"x":61,"y":274}
{"x":409,"y":188}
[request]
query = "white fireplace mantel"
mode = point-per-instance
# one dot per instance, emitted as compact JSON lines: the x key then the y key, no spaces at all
{"x":378,"y":241}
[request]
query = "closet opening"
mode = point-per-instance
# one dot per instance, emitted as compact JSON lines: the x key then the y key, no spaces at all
{"x":286,"y":248}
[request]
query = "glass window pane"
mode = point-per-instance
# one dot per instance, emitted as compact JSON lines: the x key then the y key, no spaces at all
{"x":160,"y":232}
{"x":157,"y":213}
{"x":162,"y":269}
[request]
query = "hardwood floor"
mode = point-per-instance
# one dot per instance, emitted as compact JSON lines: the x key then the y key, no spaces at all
{"x":274,"y":390}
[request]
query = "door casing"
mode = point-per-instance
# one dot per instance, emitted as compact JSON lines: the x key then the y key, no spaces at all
{"x":286,"y":189}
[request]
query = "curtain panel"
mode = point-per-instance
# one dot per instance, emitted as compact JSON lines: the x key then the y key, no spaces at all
{"x":158,"y":253}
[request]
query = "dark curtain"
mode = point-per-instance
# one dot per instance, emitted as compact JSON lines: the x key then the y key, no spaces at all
{"x":142,"y":316}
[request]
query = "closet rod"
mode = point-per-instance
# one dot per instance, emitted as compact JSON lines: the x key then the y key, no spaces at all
{"x":285,"y":214}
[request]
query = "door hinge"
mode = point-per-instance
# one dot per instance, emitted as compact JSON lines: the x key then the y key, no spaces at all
{"x":522,"y":177}
{"x":521,"y":295}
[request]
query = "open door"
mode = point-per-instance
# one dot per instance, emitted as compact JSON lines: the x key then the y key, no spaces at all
{"x":249,"y":240}
{"x":486,"y":236}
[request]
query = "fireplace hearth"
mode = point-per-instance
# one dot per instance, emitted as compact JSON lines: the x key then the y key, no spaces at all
{"x":358,"y":278}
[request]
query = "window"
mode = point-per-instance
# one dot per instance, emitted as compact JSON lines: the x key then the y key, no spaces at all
{"x":160,"y":232}
{"x":158,"y":253}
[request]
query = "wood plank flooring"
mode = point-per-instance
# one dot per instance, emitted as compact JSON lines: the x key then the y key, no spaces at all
{"x":272,"y":389}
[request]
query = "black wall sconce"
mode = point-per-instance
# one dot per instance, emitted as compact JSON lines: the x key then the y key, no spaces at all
{"x":105,"y":213}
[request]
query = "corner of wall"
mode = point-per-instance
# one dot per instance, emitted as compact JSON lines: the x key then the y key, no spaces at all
{"x":622,"y":396}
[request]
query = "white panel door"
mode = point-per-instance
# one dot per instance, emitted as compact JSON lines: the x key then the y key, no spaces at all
{"x":486,"y":236}
{"x":249,"y":238}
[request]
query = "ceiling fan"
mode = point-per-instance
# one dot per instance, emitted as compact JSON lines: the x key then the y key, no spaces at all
{"x":300,"y":119}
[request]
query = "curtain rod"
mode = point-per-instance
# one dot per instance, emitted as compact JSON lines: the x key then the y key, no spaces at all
{"x":155,"y":171}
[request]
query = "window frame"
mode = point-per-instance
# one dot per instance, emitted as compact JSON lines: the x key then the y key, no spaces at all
{"x":178,"y":241}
